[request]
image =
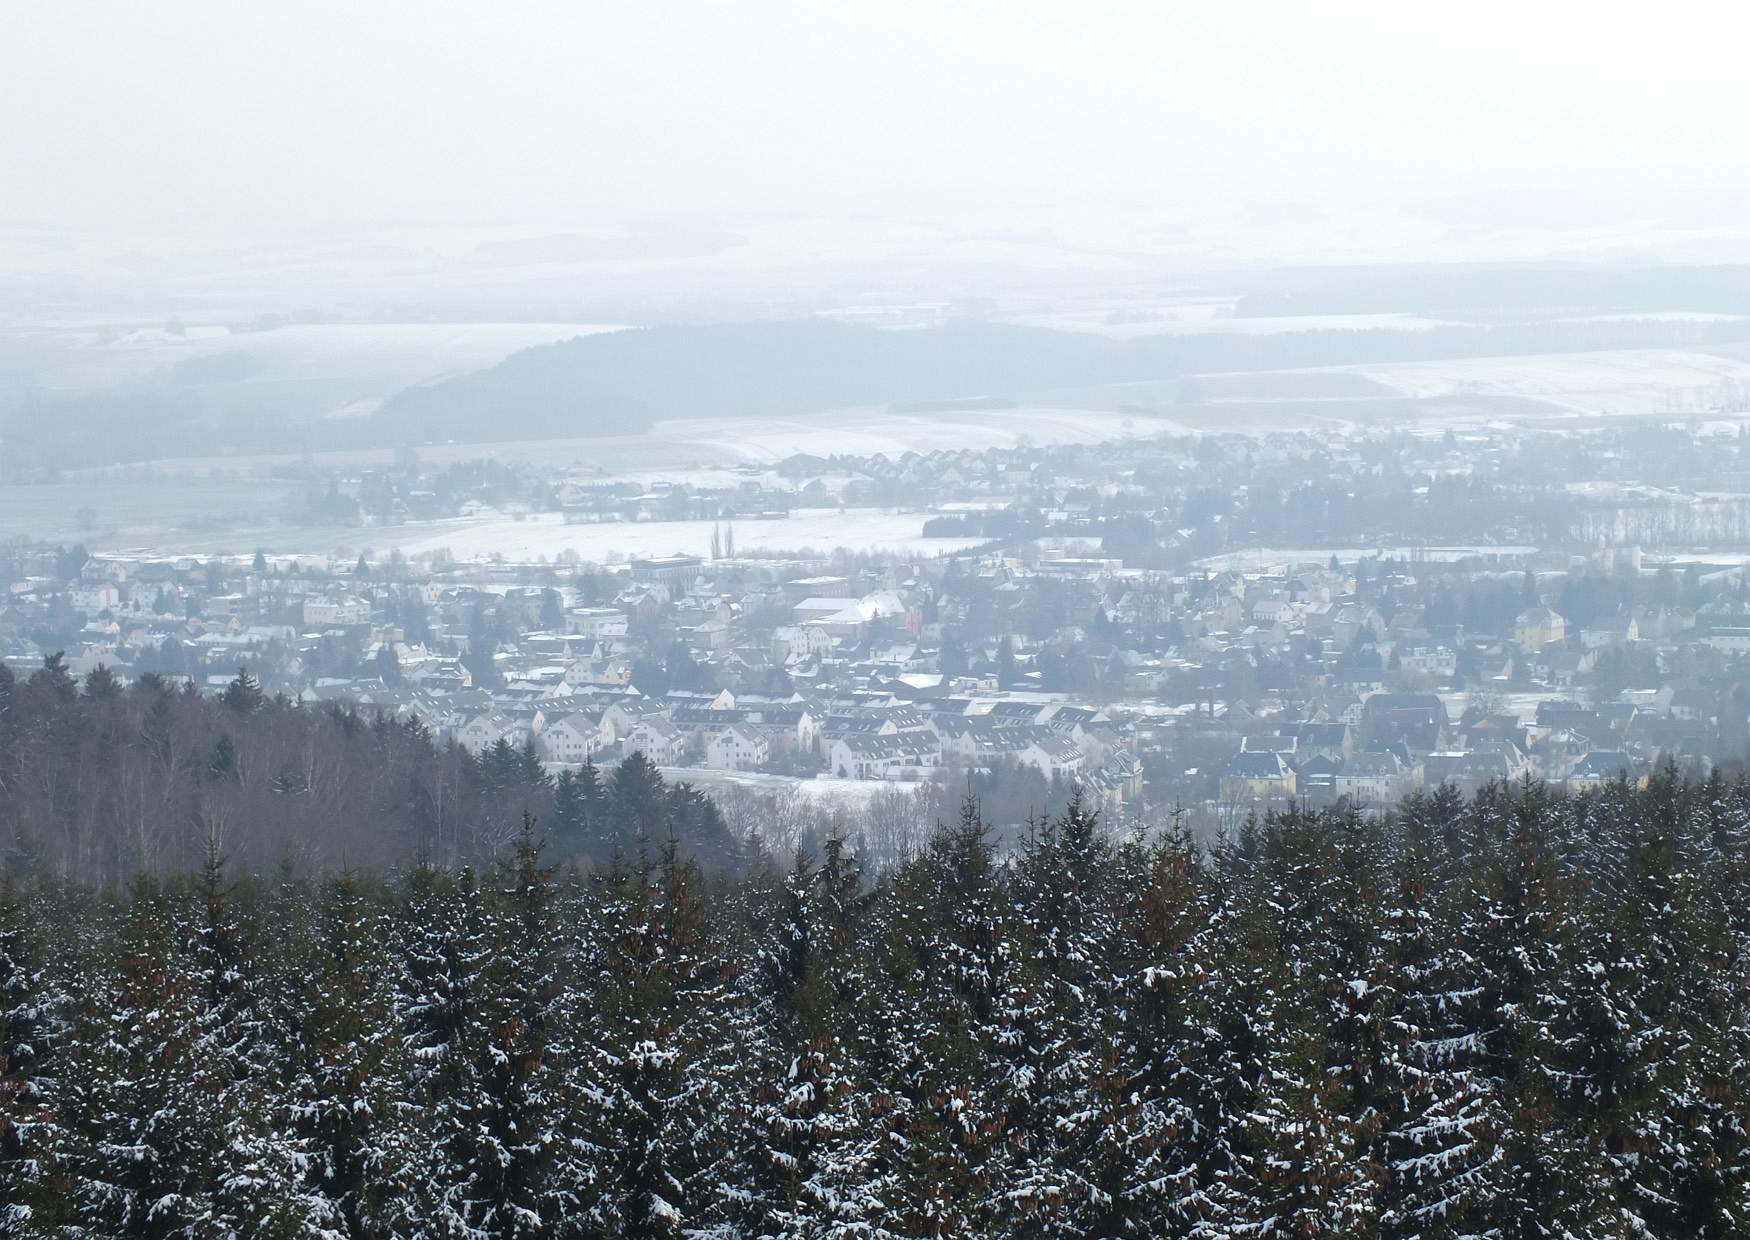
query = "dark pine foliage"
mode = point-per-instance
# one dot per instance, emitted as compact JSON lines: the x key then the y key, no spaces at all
{"x":1521,"y":1016}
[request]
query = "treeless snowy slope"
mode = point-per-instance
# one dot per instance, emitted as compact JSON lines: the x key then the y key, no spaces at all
{"x":1624,"y":381}
{"x":861,"y":529}
{"x":869,"y":432}
{"x":1188,"y":321}
{"x":382,"y":356}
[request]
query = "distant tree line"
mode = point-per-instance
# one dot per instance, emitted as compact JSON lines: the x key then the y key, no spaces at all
{"x":991,"y":524}
{"x":100,"y":781}
{"x":1519,"y":1016}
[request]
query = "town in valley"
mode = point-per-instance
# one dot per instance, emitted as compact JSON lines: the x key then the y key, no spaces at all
{"x":1188,"y":627}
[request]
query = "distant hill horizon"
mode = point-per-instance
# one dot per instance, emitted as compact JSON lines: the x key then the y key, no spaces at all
{"x":622,"y":382}
{"x":625,"y":381}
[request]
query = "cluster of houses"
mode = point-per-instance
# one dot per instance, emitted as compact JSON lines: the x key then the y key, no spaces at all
{"x":752,"y":492}
{"x":1321,"y":693}
{"x":1115,"y":639}
{"x":785,"y":671}
{"x":855,"y":738}
{"x":1390,"y":745}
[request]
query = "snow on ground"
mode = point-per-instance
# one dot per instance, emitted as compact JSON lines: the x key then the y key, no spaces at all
{"x":827,"y":790}
{"x":715,"y":452}
{"x":869,"y":432}
{"x":1212,"y":318}
{"x":704,"y":477}
{"x":1657,"y":316}
{"x":1622,"y":381}
{"x":1257,"y":559}
{"x":448,"y":347}
{"x":1521,"y":705}
{"x":547,"y":535}
{"x":707,"y":780}
{"x":1717,"y":559}
{"x":1625,"y":492}
{"x":850,"y":793}
{"x":1270,"y":325}
{"x":395,"y":354}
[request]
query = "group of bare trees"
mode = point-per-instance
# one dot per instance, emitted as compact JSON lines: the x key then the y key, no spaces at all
{"x":100,"y":782}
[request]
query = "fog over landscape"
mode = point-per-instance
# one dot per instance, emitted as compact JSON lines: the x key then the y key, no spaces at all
{"x":875,"y":620}
{"x":234,"y":232}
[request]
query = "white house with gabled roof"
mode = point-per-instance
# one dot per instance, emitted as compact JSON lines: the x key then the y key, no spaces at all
{"x":572,"y":739}
{"x":738,"y":748}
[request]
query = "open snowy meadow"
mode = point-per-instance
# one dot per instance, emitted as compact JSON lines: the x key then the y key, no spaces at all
{"x":1258,"y":559}
{"x":1215,"y":318}
{"x":1621,"y":381}
{"x":378,"y":358}
{"x":547,"y":536}
{"x":869,"y":432}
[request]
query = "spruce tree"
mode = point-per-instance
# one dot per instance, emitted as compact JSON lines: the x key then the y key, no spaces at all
{"x":440,"y":940}
{"x":1069,"y":1110}
{"x":244,"y":694}
{"x":521,"y":1180}
{"x":949,"y":974}
{"x":662,"y":1054}
{"x":346,"y":1084}
{"x":1172,"y":1145}
{"x":35,"y":1153}
{"x":1518,"y":937}
{"x":1439,"y":1118}
{"x":258,"y":1187}
{"x":817,"y":1165}
{"x":146,"y":1105}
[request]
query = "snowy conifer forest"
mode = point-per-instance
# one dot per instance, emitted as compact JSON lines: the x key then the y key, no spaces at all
{"x":1519,"y":1016}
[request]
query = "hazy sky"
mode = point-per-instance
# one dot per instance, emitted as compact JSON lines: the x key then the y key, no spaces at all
{"x":191,"y":112}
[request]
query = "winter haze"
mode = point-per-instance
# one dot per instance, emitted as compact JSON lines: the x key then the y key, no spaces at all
{"x":899,"y":620}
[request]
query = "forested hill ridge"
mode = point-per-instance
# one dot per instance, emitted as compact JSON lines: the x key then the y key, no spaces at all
{"x":99,"y":782}
{"x":1520,"y":1016}
{"x":1448,"y":289}
{"x":620,"y":382}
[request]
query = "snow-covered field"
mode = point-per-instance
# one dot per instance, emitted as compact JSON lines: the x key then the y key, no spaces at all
{"x":1210,"y":318}
{"x":851,"y":793}
{"x":1657,"y":316}
{"x":1624,"y":381}
{"x":1257,"y":559}
{"x":867,"y":432}
{"x":1717,"y":559}
{"x":384,"y":356}
{"x":1521,"y":705}
{"x":825,"y":790}
{"x":712,"y":452}
{"x":1276,"y":325}
{"x":702,"y":452}
{"x":546,"y":535}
